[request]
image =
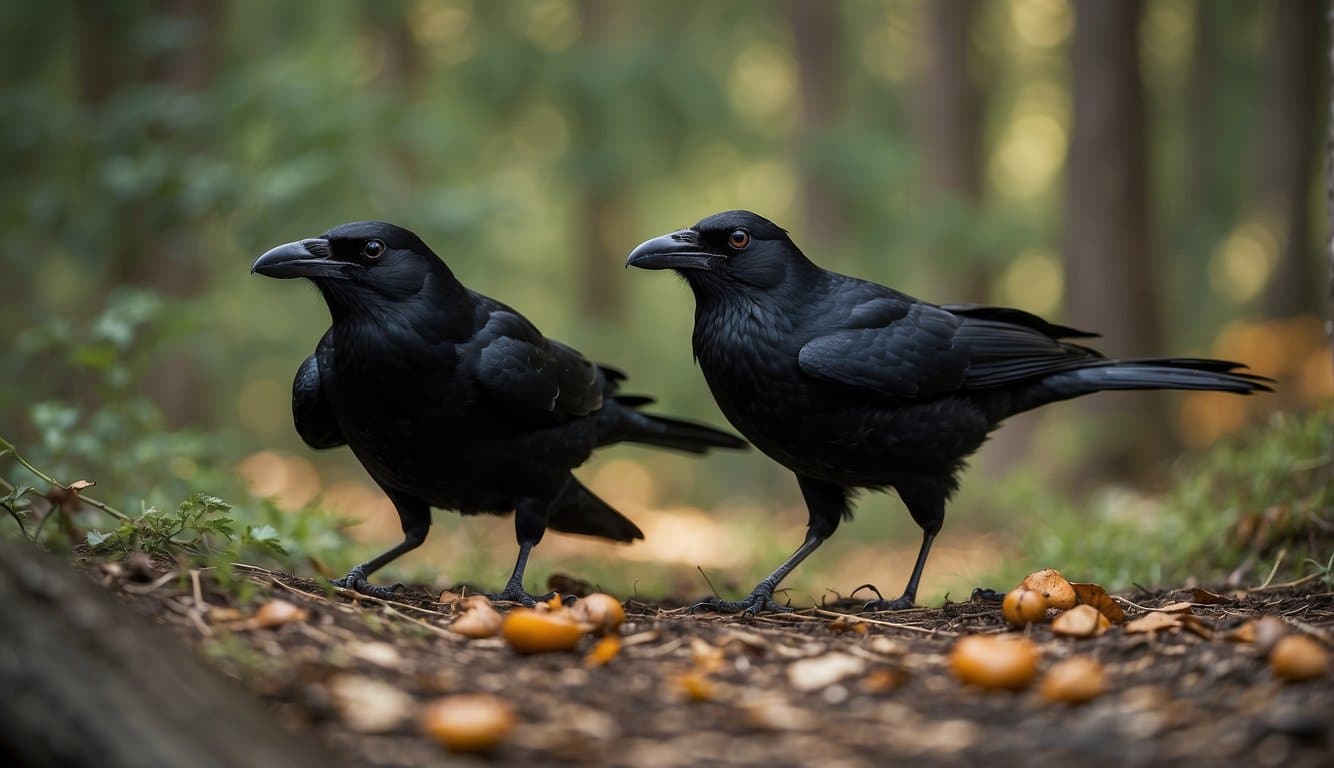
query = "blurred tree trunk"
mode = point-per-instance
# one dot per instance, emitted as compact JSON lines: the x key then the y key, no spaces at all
{"x":602,"y":206}
{"x":401,"y":74}
{"x":1329,"y":178}
{"x":815,"y":36}
{"x":1289,"y":126}
{"x":91,"y":683}
{"x":1201,"y":96}
{"x":1109,"y":266}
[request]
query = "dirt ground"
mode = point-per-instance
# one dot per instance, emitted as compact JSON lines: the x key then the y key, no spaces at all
{"x":811,"y":687}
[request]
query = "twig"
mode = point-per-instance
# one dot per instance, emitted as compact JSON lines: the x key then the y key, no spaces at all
{"x":1286,"y":584}
{"x":882,"y":623}
{"x":705,"y":576}
{"x":389,"y":611}
{"x":7,"y":447}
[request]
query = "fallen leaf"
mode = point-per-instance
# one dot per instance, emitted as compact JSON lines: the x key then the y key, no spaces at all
{"x":820,"y":671}
{"x":79,"y":485}
{"x":1154,"y":621}
{"x":1197,"y":625}
{"x":367,"y":705}
{"x":1181,"y":607}
{"x":1096,"y":596}
{"x":1205,"y":597}
{"x":478,"y":620}
{"x":605,"y":650}
{"x":1080,"y":621}
{"x":753,"y":642}
{"x":565,"y":584}
{"x":707,"y":658}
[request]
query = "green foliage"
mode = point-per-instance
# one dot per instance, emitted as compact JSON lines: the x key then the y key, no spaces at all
{"x":1245,"y":504}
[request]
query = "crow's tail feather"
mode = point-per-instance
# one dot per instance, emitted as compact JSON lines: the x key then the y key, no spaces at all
{"x":1186,"y":373}
{"x":579,"y":510}
{"x":623,"y":422}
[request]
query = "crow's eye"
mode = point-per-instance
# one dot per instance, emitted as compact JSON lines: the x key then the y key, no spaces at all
{"x":373,"y":249}
{"x":739,"y":239}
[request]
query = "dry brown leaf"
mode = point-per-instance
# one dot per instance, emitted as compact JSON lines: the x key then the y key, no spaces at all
{"x":469,"y":722}
{"x":1154,"y":621}
{"x":1080,"y":621}
{"x":367,"y":705}
{"x":821,"y":671}
{"x":1181,"y":607}
{"x":565,"y":584}
{"x":79,"y":485}
{"x":1205,"y":597}
{"x":605,"y":650}
{"x":753,"y":642}
{"x":887,"y":646}
{"x":1197,"y":625}
{"x":1263,"y":633}
{"x":1096,"y":596}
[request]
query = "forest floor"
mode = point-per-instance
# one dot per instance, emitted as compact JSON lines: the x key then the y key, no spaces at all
{"x":810,"y":687}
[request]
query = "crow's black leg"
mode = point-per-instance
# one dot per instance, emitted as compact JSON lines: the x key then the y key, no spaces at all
{"x":415,"y":516}
{"x":530,"y":523}
{"x":928,"y":509}
{"x":826,"y":504}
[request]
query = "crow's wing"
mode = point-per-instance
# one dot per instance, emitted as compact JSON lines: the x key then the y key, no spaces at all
{"x":543,"y":377}
{"x":905,"y":349}
{"x":311,"y":413}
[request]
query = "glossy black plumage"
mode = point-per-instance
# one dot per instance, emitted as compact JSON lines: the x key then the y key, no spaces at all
{"x":851,"y":384}
{"x":451,"y":399}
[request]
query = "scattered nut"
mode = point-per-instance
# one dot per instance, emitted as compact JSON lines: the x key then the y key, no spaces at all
{"x":990,"y":661}
{"x":1077,"y":679}
{"x":1053,"y":586}
{"x":468,"y":722}
{"x":478,"y":619}
{"x":1080,"y":621}
{"x":1023,"y":606}
{"x":1298,"y":657}
{"x":529,"y":631}
{"x":602,"y":611}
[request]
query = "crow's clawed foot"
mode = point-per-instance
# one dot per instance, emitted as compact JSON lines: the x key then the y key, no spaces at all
{"x":514,"y":594}
{"x":897,"y":604}
{"x":984,"y":595}
{"x":355,"y":580}
{"x":759,"y":601}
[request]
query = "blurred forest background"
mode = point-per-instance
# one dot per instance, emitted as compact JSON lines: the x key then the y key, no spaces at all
{"x":1148,"y":170}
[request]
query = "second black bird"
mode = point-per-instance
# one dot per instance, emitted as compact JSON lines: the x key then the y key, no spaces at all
{"x":451,"y":399}
{"x":852,"y":385}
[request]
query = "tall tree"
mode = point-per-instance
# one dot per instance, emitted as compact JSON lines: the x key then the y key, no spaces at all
{"x":1108,"y":251}
{"x":1289,"y":118}
{"x":815,"y":37}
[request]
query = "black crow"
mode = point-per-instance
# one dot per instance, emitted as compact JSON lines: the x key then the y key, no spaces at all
{"x":853,"y":385}
{"x":451,"y":399}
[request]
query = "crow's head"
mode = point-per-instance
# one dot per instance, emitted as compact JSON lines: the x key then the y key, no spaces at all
{"x":734,"y":248}
{"x":362,"y":263}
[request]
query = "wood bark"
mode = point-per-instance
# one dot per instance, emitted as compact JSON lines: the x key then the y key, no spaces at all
{"x":1287,"y":143}
{"x":89,"y":683}
{"x":815,"y":37}
{"x":1109,"y":261}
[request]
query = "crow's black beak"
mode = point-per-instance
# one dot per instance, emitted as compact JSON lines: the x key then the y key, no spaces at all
{"x":305,"y":258}
{"x":679,"y":250}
